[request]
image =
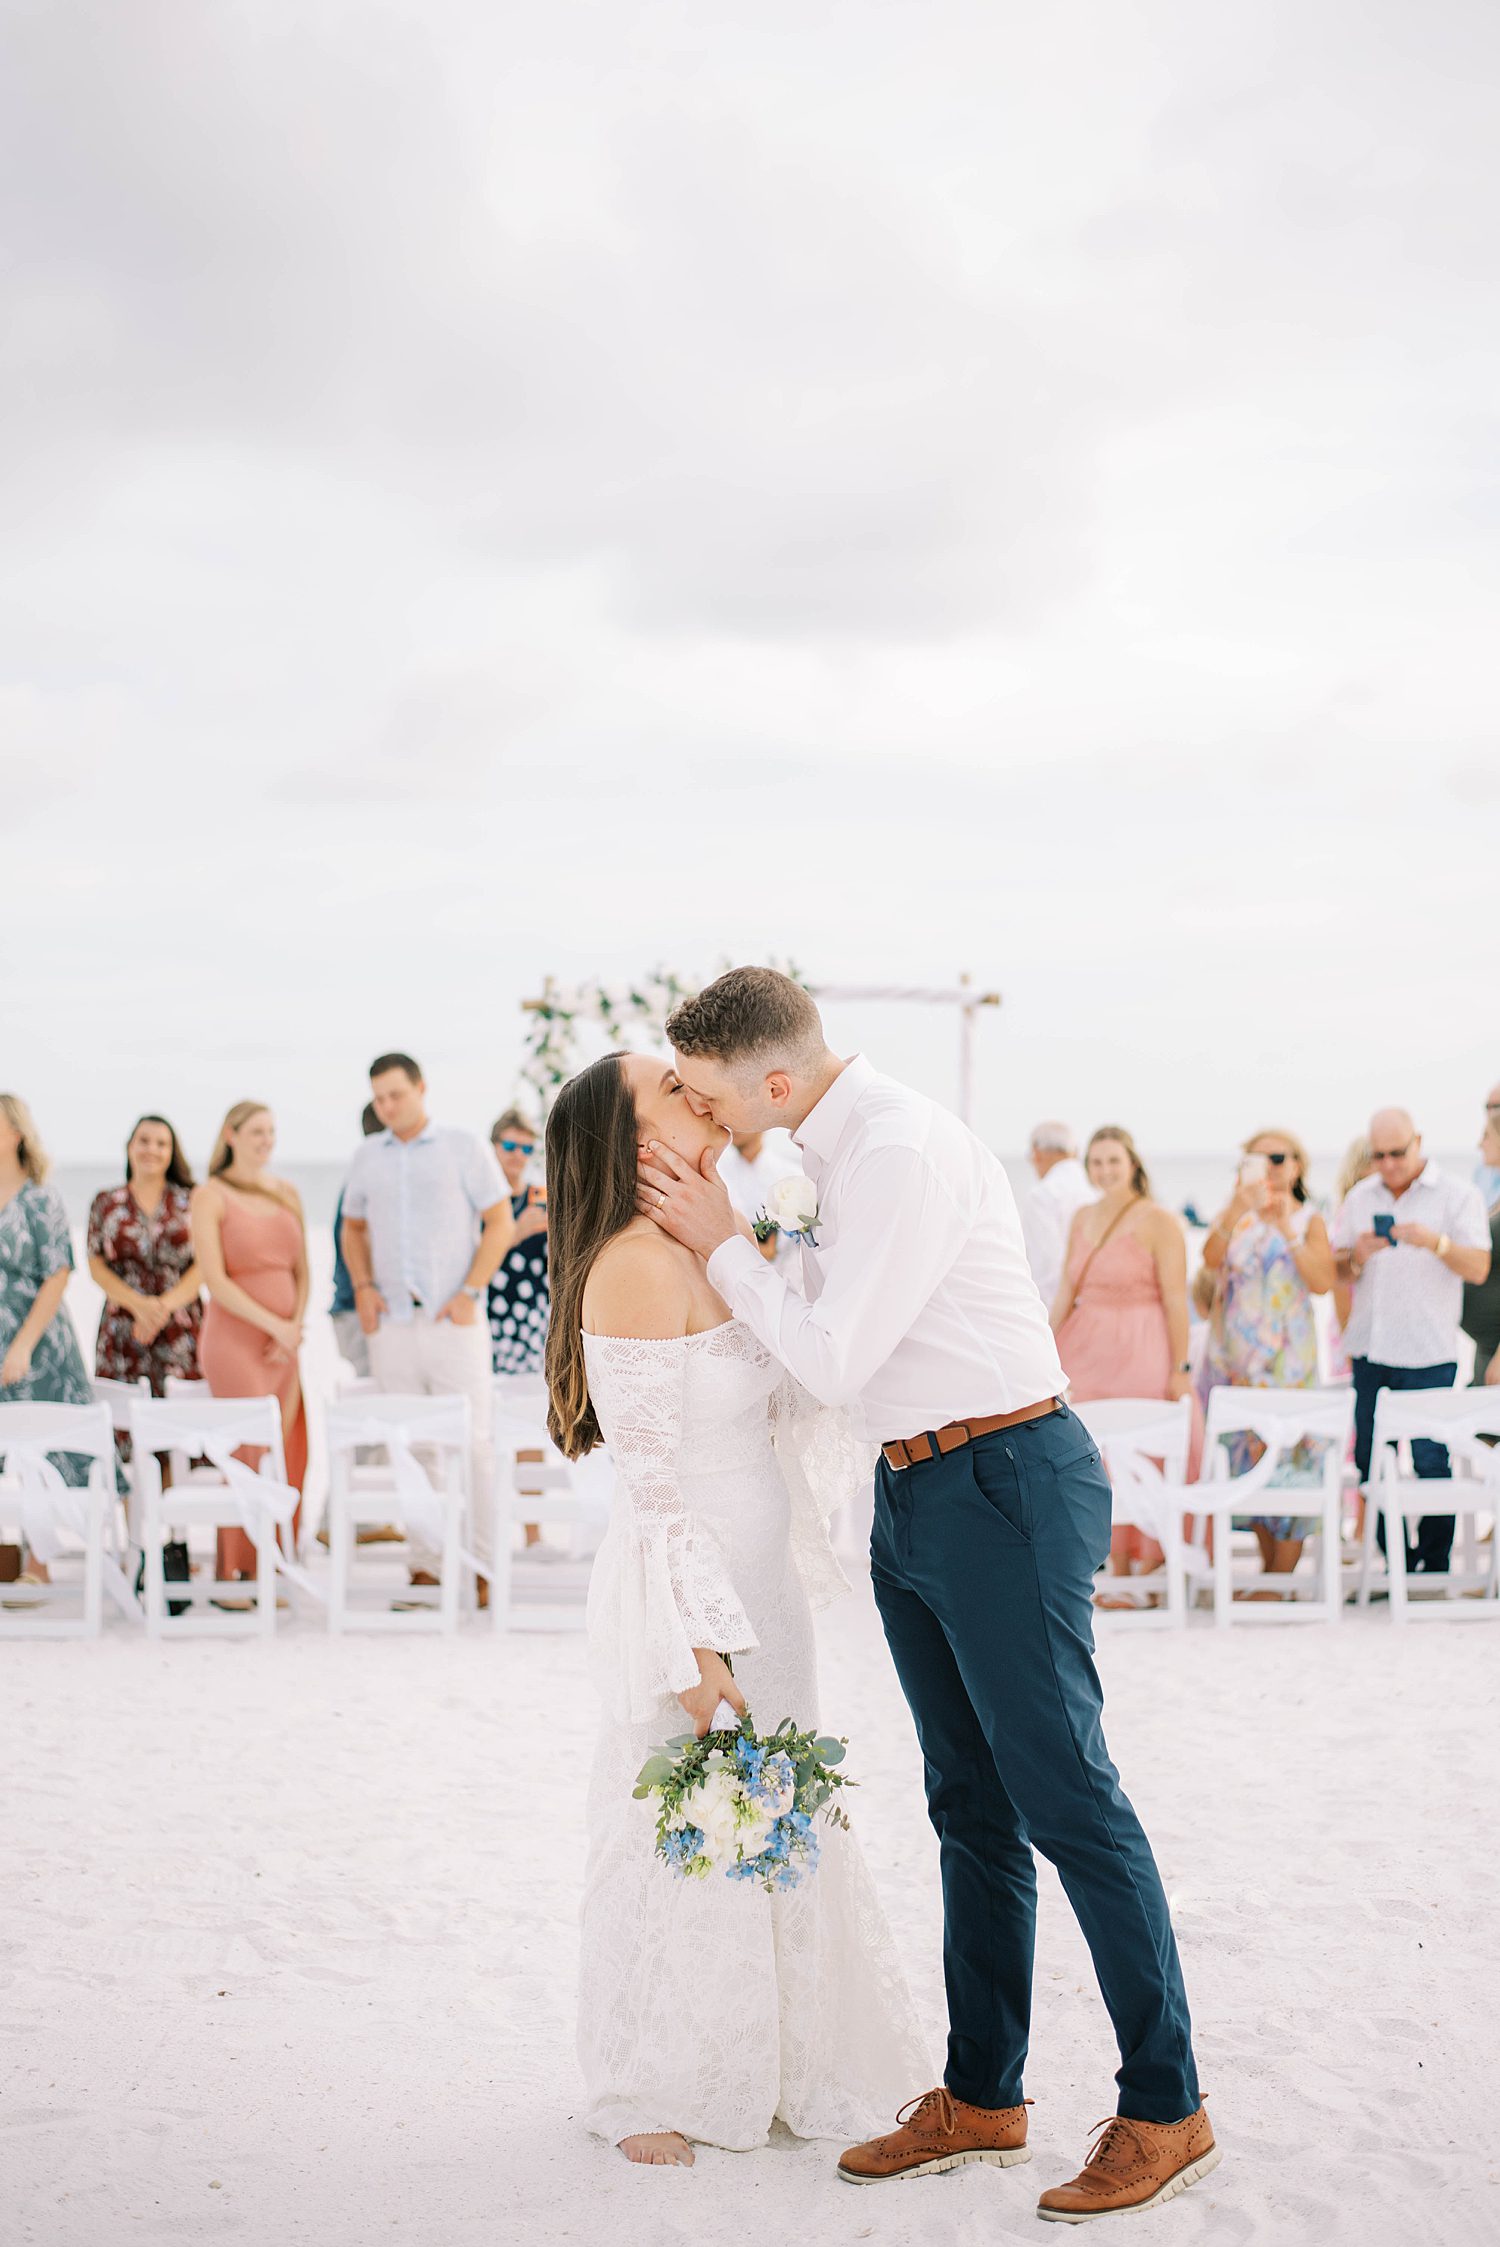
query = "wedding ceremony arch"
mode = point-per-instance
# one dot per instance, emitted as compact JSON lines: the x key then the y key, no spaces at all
{"x":567,"y":1018}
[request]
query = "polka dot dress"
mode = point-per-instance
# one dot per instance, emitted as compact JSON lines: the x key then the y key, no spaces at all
{"x":520,"y":1303}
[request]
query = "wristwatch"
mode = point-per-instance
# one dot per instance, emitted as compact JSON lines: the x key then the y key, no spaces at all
{"x":475,"y":1294}
{"x":1443,"y":1246}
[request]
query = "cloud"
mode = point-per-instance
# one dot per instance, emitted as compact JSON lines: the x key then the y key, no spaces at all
{"x":508,"y":489}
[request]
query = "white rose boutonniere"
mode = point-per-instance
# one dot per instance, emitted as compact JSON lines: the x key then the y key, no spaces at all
{"x":793,"y":1211}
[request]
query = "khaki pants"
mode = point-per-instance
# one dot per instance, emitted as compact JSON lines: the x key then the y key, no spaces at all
{"x":428,"y":1357}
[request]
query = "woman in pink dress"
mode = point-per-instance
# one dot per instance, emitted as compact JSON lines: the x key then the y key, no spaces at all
{"x":251,"y":1245}
{"x":1121,"y":1315}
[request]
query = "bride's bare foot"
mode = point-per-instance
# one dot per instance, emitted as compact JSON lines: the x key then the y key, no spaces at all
{"x":659,"y":2149}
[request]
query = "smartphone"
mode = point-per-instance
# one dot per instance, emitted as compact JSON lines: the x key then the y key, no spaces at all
{"x":1254,"y":1170}
{"x":1383,"y":1224}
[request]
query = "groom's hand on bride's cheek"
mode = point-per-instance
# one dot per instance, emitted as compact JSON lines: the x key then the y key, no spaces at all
{"x":692,"y":1205}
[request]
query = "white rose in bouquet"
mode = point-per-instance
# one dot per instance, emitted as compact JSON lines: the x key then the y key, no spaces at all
{"x":793,"y":1203}
{"x":711,"y":1808}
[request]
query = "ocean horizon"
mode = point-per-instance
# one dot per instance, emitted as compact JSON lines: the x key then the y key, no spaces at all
{"x":1199,"y":1181}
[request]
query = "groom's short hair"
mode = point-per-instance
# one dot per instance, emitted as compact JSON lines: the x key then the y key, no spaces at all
{"x":752,"y":1013}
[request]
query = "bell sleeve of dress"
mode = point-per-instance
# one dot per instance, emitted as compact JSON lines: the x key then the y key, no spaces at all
{"x":675,"y":1591}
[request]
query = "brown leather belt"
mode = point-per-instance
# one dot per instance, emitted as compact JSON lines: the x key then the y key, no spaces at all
{"x":913,"y":1449}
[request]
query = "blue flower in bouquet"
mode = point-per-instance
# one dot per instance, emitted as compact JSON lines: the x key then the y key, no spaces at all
{"x":743,"y":1805}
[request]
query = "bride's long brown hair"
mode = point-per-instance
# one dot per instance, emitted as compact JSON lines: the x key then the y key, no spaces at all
{"x":592,"y":1140}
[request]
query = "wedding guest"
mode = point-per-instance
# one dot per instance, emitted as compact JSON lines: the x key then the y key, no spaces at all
{"x":520,"y":1299}
{"x":1480,"y":1318}
{"x":1408,"y":1295}
{"x":426,"y":1224}
{"x":1268,"y":1252}
{"x":1354,"y":1167}
{"x":347,"y":1332}
{"x":1062,"y":1188}
{"x":251,"y":1244}
{"x":1121,"y":1311}
{"x":752,"y":1162}
{"x":140,"y":1249}
{"x":40,"y":1361}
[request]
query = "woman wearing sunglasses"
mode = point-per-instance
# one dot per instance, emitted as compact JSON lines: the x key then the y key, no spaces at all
{"x":1268,"y":1252}
{"x":520,"y":1301}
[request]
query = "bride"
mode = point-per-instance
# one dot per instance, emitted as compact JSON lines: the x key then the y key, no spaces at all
{"x":707,"y":2009}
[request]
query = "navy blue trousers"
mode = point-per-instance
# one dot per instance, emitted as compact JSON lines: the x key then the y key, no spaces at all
{"x":983,"y":1565}
{"x":1434,"y":1546}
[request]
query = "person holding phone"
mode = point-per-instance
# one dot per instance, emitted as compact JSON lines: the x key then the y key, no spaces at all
{"x":1268,"y":1254}
{"x":1408,"y":1276}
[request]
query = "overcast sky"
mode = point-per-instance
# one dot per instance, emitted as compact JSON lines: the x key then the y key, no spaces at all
{"x":903,"y":484}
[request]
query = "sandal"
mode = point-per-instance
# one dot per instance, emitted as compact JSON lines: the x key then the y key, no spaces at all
{"x":29,"y":1577}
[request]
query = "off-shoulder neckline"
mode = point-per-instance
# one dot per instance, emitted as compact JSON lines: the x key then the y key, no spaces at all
{"x":661,"y":1341}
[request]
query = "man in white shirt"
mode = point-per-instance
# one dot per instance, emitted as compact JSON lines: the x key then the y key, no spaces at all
{"x":1408,"y":1237}
{"x":1061,"y":1190}
{"x":992,"y":1513}
{"x":427,"y":1221}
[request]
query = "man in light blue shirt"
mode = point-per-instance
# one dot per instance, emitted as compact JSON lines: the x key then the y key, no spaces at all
{"x":427,"y":1222}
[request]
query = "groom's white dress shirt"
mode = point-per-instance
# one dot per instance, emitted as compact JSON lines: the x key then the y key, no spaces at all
{"x":917,"y":1305}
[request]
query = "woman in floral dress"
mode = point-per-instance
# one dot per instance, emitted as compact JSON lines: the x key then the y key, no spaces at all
{"x":1270,"y":1253}
{"x":140,"y":1243}
{"x":40,"y":1361}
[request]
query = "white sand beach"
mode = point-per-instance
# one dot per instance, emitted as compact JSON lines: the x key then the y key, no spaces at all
{"x":290,"y":1941}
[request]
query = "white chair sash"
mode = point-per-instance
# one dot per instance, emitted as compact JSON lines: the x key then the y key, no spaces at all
{"x":262,"y":1503}
{"x":422,"y":1505}
{"x":48,"y":1503}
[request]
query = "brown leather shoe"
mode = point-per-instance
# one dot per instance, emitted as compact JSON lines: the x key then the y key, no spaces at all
{"x":1133,"y":2165}
{"x":943,"y":2133}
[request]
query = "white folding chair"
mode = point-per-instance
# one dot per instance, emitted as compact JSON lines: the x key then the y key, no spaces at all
{"x":47,"y":1510}
{"x":1144,"y":1443}
{"x":552,"y":1491}
{"x":1457,"y":1419}
{"x":1280,"y":1419}
{"x":400,"y":1488}
{"x":119,"y":1396}
{"x":218,"y":1492}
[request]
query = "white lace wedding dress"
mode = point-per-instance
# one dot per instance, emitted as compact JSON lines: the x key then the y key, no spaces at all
{"x":708,"y":2006}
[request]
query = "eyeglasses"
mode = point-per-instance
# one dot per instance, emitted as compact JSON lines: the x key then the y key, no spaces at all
{"x":1391,"y":1154}
{"x":1278,"y":1160}
{"x":516,"y":1146}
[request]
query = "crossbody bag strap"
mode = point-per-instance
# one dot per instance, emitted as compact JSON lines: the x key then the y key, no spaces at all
{"x":1089,"y":1259}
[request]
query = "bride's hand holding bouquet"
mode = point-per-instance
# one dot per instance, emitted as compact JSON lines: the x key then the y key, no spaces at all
{"x":715,"y":1684}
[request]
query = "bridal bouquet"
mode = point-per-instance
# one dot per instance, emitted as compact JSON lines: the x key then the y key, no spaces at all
{"x":742,"y":1804}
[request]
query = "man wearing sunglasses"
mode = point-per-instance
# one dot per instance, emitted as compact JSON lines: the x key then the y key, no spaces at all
{"x":1408,"y":1237}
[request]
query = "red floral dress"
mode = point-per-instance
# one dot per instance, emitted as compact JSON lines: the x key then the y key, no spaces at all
{"x":149,"y":1254}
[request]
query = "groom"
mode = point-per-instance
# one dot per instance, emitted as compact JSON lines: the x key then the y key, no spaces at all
{"x":991,"y":1514}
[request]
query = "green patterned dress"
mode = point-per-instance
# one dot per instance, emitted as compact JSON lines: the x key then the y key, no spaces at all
{"x":34,"y":1243}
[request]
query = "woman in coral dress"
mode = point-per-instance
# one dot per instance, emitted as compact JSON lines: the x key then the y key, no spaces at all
{"x":251,"y":1246}
{"x":1121,"y":1315}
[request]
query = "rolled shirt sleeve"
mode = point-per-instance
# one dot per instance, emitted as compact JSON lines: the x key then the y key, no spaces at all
{"x":483,"y":1180}
{"x":356,"y":1189}
{"x":1471,"y":1226}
